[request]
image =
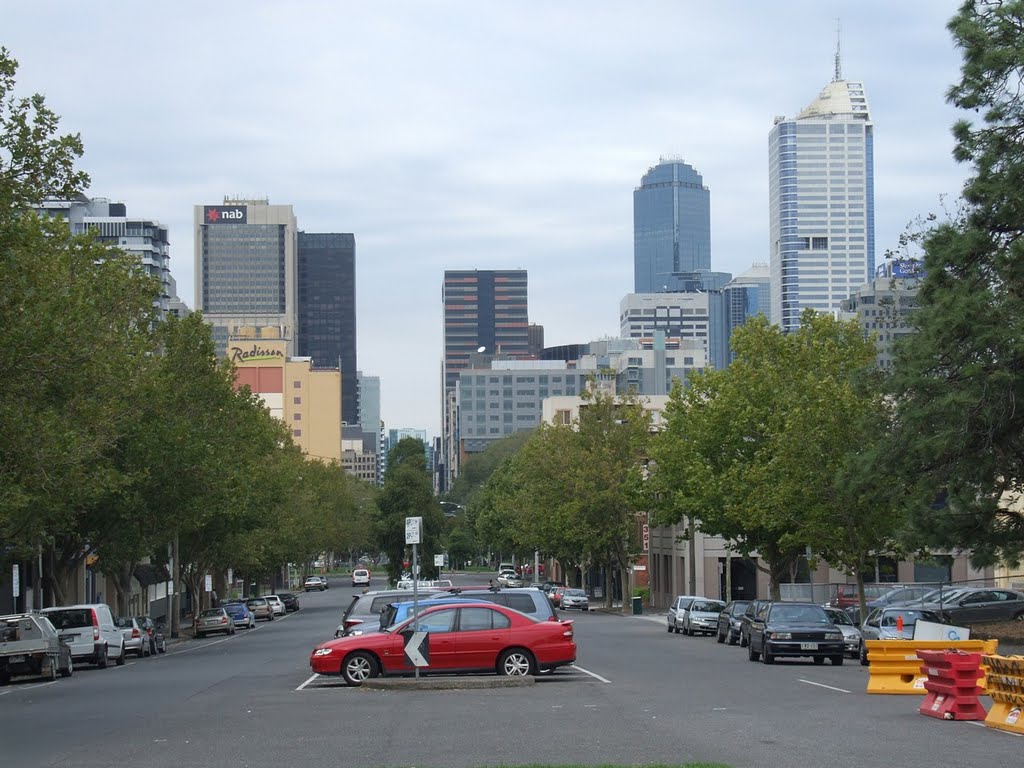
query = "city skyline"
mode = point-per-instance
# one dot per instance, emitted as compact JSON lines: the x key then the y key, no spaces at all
{"x":517,"y":146}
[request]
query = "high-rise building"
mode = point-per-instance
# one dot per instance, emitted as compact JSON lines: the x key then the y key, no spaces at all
{"x":245,"y":256}
{"x":326,"y":309}
{"x":110,"y":223}
{"x":696,"y":315}
{"x":485,"y":312}
{"x":671,"y":226}
{"x":821,"y":203}
{"x":884,"y":306}
{"x":747,"y":295}
{"x":368,"y":392}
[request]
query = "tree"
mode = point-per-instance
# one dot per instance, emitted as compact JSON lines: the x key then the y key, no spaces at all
{"x":959,"y":381}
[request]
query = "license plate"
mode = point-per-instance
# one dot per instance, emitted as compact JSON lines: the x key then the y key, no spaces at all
{"x":17,"y":659}
{"x":808,"y":646}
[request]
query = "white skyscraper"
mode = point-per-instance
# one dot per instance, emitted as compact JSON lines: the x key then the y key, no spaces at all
{"x":822,"y":208}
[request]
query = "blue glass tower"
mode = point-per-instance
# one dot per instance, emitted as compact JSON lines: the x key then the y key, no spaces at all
{"x":671,"y":227}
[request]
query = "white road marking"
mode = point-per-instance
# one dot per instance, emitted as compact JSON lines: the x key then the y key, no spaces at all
{"x":592,"y":674}
{"x":822,"y":685}
{"x":28,"y":687}
{"x":981,"y":724}
{"x":314,"y":676}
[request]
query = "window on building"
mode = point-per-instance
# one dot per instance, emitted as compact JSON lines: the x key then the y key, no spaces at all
{"x":296,"y":417}
{"x":819,"y":244}
{"x":296,"y":433}
{"x":297,"y":401}
{"x":297,"y":384}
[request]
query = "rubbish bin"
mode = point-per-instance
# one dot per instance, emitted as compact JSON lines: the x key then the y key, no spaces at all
{"x":638,"y":605}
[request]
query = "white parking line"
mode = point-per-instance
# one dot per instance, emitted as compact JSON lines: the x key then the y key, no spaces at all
{"x":28,"y":687}
{"x":981,"y":723}
{"x":311,"y":679}
{"x":822,"y":685}
{"x":592,"y":674}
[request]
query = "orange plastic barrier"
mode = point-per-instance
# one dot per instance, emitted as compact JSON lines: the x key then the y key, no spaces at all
{"x":896,"y":668}
{"x":1006,"y":687}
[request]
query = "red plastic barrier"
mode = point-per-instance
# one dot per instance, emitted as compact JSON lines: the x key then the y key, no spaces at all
{"x":952,"y":685}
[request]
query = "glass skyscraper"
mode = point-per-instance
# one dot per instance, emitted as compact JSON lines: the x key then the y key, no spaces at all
{"x":671,"y":227}
{"x":822,"y":208}
{"x":327,"y":309}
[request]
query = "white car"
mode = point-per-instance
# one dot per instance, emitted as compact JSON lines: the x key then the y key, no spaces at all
{"x":360,"y":577}
{"x":506,"y":576}
{"x":315,"y":582}
{"x":89,"y":630}
{"x":677,"y":612}
{"x":277,"y":604}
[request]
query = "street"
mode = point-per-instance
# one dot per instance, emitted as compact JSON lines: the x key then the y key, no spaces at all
{"x":638,"y":695}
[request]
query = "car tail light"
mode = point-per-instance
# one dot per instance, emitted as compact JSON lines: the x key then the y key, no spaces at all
{"x":349,"y":623}
{"x":135,"y":633}
{"x":95,"y":625}
{"x":223,"y":619}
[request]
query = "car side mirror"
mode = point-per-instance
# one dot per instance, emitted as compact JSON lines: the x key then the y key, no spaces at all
{"x":339,"y":631}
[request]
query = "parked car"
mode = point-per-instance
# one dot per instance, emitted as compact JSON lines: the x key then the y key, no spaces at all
{"x":277,"y":604}
{"x":851,"y":633}
{"x":532,"y":602}
{"x":90,"y":632}
{"x":31,"y":645}
{"x":978,"y":605}
{"x":780,"y":629}
{"x":677,"y":612}
{"x":504,"y":576}
{"x":315,"y":582}
{"x":360,"y":577}
{"x":729,"y":621}
{"x":261,"y":608}
{"x":575,"y":598}
{"x":846,"y":595}
{"x":702,"y":616}
{"x":155,"y":632}
{"x":556,"y":595}
{"x":748,"y":614}
{"x":135,"y":639}
{"x":214,"y":620}
{"x":476,"y":637}
{"x":548,"y":586}
{"x":513,"y":580}
{"x":884,"y":624}
{"x":290,"y":600}
{"x":241,"y":615}
{"x":363,"y":612}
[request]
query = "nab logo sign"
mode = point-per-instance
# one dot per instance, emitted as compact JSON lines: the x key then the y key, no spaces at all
{"x":221,"y":214}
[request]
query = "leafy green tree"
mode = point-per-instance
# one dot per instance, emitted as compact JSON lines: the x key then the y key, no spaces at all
{"x":959,"y":381}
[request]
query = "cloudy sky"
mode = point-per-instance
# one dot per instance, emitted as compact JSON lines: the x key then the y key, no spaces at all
{"x":466,"y":134}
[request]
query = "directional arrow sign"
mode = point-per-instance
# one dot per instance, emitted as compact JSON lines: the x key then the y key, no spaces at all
{"x":417,"y":649}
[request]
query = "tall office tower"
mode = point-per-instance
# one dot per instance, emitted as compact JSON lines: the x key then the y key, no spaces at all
{"x":884,"y":306}
{"x":821,"y":203}
{"x":747,"y":295}
{"x":326,"y":309}
{"x":482,"y":309}
{"x":109,"y":222}
{"x":671,"y":226}
{"x":368,"y":391}
{"x":536,"y":337}
{"x":246,"y":267}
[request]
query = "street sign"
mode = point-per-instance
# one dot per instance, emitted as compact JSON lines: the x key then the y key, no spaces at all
{"x":16,"y":580}
{"x":412,"y":529}
{"x":647,"y":537}
{"x":417,"y":648}
{"x":439,"y":561}
{"x":208,"y":583}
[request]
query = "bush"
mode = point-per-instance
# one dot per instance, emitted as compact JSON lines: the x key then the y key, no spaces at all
{"x":643,"y":592}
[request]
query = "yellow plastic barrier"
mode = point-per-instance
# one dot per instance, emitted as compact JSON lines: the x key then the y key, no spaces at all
{"x":1006,"y":687}
{"x":894,"y":666}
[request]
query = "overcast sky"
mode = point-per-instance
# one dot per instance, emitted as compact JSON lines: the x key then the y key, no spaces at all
{"x":477,"y":134}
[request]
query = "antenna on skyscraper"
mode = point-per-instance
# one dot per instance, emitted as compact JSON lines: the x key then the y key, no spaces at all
{"x":839,"y":59}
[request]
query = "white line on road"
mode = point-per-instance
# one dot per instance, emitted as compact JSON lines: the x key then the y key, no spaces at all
{"x":592,"y":674}
{"x":981,"y":723}
{"x":311,"y":679}
{"x":822,"y":685}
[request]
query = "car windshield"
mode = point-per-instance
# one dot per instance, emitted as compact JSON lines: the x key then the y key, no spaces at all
{"x":942,"y":595}
{"x":575,"y":593}
{"x":739,"y":607}
{"x":707,"y":606}
{"x":124,"y":623}
{"x":256,"y":601}
{"x":840,"y":617}
{"x":212,"y":612}
{"x":889,"y":618}
{"x":799,"y":614}
{"x":71,"y":617}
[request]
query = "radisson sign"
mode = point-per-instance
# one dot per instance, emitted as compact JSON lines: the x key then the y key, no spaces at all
{"x":240,"y":355}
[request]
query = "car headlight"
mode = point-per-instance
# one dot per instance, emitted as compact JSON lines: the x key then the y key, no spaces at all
{"x":780,"y":635}
{"x":833,"y":635}
{"x":323,"y":652}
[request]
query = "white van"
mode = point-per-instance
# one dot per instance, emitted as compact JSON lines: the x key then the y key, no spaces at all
{"x":90,"y":632}
{"x":502,"y":567}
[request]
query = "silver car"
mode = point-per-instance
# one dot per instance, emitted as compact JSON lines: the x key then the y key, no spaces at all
{"x":214,"y":620}
{"x":702,"y":616}
{"x":136,"y":639}
{"x":575,"y":598}
{"x":677,"y":612}
{"x":851,"y":634}
{"x":885,"y":624}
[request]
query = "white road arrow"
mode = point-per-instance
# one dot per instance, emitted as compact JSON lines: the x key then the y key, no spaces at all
{"x":417,"y":650}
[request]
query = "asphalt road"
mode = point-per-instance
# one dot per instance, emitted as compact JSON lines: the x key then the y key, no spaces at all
{"x":638,"y":695}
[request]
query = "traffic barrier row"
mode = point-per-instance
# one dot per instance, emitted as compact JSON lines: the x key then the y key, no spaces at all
{"x":895,"y":668}
{"x":1006,"y":687}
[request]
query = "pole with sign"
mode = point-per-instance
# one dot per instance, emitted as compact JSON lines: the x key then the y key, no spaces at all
{"x":412,"y":536}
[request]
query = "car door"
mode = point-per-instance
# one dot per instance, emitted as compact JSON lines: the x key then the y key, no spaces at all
{"x":482,"y":634}
{"x":441,"y":636}
{"x":974,"y":606}
{"x":1008,"y":605}
{"x":757,"y":624}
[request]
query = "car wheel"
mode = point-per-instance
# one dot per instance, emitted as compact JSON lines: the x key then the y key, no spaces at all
{"x":516,"y":662}
{"x":837,"y":661}
{"x":200,"y":635}
{"x":358,"y":667}
{"x":69,"y":670}
{"x":719,"y":636}
{"x":123,"y":657}
{"x":101,"y":662}
{"x":819,"y":660}
{"x":744,"y":640}
{"x":668,"y":627}
{"x":766,"y":657}
{"x":863,"y":655}
{"x":50,"y":672}
{"x":751,"y":653}
{"x":731,"y":638}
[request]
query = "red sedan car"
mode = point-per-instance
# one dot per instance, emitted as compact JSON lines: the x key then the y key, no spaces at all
{"x":473,"y":637}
